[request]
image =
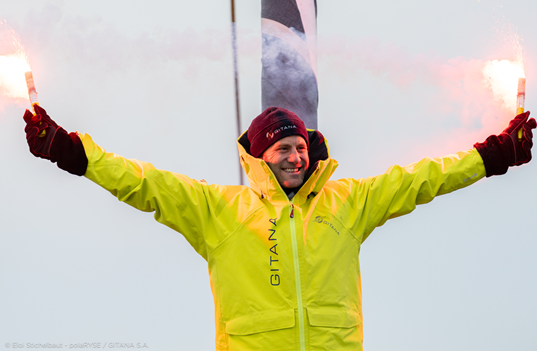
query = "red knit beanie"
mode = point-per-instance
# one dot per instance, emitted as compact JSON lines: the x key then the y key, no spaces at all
{"x":273,"y":124}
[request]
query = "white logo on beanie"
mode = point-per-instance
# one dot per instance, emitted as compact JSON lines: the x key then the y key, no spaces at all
{"x":270,"y":135}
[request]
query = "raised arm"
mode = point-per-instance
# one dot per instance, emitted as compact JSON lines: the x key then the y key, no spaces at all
{"x":178,"y":201}
{"x":399,"y":190}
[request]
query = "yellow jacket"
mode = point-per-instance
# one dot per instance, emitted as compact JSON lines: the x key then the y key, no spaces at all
{"x":284,"y":273}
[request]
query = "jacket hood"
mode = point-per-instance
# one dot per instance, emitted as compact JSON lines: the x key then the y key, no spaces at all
{"x":263,"y":181}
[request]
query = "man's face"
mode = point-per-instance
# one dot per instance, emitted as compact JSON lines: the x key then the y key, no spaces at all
{"x":289,"y":160}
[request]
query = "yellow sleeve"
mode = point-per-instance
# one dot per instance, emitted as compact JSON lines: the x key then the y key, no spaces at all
{"x":178,"y":201}
{"x":400,"y":189}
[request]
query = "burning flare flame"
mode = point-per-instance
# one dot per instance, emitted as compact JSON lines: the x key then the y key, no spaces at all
{"x":13,"y":64}
{"x":12,"y":82}
{"x":501,"y":76}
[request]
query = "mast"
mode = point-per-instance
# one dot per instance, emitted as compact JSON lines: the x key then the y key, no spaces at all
{"x":236,"y":77}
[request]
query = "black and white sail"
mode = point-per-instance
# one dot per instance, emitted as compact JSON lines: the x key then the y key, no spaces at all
{"x":289,"y":76}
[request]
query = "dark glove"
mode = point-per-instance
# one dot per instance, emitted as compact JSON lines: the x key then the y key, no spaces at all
{"x":49,"y":141}
{"x":499,"y":152}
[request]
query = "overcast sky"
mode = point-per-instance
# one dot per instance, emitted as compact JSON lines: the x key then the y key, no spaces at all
{"x":398,"y":81}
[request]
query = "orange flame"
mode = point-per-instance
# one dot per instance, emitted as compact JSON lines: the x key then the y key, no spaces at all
{"x":501,"y":76}
{"x":13,"y":64}
{"x":12,"y":81}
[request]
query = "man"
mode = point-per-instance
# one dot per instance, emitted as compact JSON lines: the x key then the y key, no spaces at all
{"x":282,"y":253}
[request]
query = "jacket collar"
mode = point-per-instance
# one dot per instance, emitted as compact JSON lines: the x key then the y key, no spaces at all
{"x":263,"y":181}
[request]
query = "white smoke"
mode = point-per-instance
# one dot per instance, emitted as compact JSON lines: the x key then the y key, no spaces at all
{"x":103,"y":47}
{"x":458,"y":87}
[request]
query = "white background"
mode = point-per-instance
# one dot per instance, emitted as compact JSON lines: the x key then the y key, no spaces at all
{"x":153,"y":81}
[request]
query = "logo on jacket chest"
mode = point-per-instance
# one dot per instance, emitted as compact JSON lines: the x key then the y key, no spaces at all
{"x":324,"y":221}
{"x":274,"y":261}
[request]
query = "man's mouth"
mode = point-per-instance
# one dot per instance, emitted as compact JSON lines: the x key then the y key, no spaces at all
{"x":291,"y":170}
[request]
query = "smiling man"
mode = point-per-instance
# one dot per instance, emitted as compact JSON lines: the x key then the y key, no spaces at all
{"x":283,"y":252}
{"x":288,"y":160}
{"x":280,"y":138}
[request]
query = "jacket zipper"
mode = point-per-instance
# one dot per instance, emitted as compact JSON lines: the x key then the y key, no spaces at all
{"x":297,"y":280}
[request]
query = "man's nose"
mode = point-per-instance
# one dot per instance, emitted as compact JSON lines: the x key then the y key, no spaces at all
{"x":294,"y":156}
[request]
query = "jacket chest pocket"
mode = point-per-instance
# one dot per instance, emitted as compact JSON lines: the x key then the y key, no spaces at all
{"x":333,"y":317}
{"x":261,"y":322}
{"x":334,"y":328}
{"x":268,"y":330}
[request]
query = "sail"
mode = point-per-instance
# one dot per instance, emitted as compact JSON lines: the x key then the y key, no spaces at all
{"x":289,"y":75}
